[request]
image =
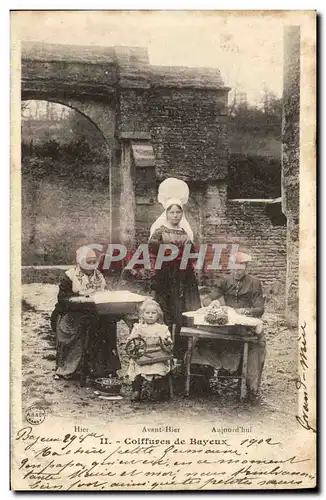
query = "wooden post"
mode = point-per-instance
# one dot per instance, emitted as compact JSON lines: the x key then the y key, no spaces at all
{"x":110,"y":194}
{"x":127,"y":197}
{"x":188,"y":365}
{"x":244,"y":372}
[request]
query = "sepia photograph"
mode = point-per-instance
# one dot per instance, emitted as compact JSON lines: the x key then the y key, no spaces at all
{"x":163,"y":250}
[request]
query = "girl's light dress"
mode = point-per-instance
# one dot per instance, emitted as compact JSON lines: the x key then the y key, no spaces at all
{"x":152,"y":335}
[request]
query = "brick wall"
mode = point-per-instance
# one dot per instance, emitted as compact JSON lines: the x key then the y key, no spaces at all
{"x":249,"y":225}
{"x":252,"y":227}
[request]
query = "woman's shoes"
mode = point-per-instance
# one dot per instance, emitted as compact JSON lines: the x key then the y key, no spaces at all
{"x":253,"y":397}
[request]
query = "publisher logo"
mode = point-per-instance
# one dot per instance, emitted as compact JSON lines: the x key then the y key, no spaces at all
{"x":35,"y":414}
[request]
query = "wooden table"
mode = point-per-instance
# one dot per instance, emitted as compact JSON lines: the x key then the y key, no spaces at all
{"x":229,"y":333}
{"x":114,"y":310}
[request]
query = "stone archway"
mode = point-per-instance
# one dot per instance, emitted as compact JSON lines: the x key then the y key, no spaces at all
{"x":39,"y":247}
{"x":90,"y":80}
{"x":158,"y":111}
{"x":102,"y":117}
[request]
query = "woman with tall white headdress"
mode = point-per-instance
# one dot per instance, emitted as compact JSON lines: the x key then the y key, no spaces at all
{"x":175,"y":289}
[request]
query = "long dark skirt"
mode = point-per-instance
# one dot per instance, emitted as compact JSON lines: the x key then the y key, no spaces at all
{"x":176,"y":291}
{"x":72,"y":330}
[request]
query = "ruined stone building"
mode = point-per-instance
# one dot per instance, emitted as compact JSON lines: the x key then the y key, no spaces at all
{"x":157,"y":122}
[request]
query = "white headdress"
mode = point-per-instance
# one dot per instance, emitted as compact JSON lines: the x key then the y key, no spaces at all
{"x":82,"y":282}
{"x":172,"y":192}
{"x":83,"y":253}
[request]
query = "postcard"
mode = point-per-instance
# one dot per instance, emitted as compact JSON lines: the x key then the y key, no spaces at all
{"x":163,"y":244}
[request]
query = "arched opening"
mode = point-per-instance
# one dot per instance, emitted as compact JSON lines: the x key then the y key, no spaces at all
{"x":66,"y":183}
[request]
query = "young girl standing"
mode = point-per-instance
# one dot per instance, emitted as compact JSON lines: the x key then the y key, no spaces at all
{"x":155,"y":362}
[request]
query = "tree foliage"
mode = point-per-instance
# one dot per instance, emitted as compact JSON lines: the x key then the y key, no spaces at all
{"x":253,"y":174}
{"x":72,"y":147}
{"x":253,"y":177}
{"x":76,"y":159}
{"x":263,"y":120}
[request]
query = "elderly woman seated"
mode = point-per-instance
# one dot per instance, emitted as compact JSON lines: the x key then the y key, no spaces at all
{"x":244,"y":294}
{"x":73,"y":327}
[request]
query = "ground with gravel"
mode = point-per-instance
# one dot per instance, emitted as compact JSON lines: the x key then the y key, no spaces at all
{"x":67,"y":399}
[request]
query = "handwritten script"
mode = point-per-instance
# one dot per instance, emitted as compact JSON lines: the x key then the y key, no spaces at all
{"x":72,"y":461}
{"x":301,"y":382}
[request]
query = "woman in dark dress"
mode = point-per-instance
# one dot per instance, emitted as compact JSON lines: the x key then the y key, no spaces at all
{"x":73,"y":327}
{"x":175,"y":289}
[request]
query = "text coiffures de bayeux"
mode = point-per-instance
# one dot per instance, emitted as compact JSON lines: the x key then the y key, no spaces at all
{"x":90,"y":460}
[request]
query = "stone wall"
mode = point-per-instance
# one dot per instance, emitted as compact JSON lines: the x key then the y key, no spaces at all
{"x":291,"y":164}
{"x":246,"y":224}
{"x":249,"y":225}
{"x":187,"y":128}
{"x":59,"y":206}
{"x":189,"y":133}
{"x":181,"y":113}
{"x":58,"y":217}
